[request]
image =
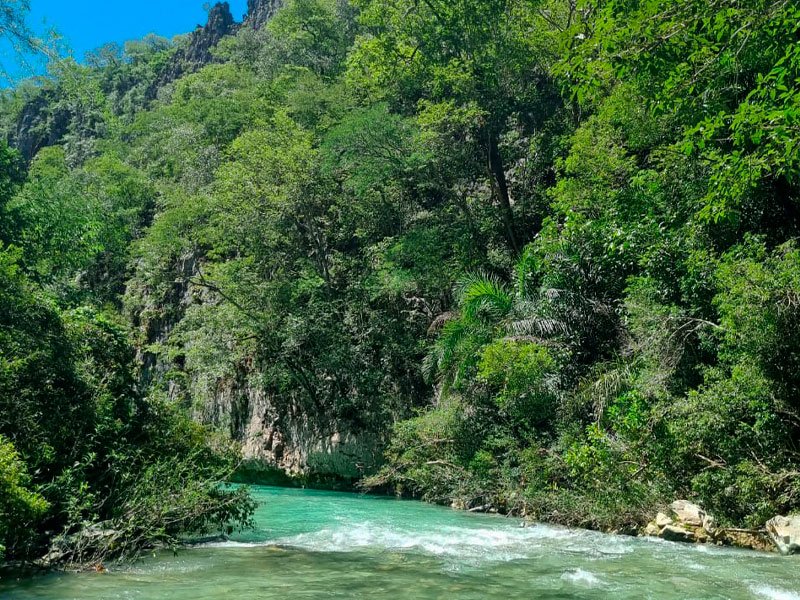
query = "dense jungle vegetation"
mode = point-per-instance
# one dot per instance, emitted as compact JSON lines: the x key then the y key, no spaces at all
{"x":550,"y":245}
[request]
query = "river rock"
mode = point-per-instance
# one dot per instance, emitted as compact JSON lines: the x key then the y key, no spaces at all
{"x":662,"y":520}
{"x":745,"y":538}
{"x":785,"y":533}
{"x":687,"y":513}
{"x":688,"y":523}
{"x":676,"y":533}
{"x":652,"y":530}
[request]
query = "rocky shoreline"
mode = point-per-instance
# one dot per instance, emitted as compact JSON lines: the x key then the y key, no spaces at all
{"x":688,"y":522}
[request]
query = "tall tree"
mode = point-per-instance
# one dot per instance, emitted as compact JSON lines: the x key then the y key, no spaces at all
{"x":470,"y":65}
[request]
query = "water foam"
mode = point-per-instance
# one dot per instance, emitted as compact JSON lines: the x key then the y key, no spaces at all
{"x":477,"y":545}
{"x":488,"y":544}
{"x":580,"y":576}
{"x":771,"y":593}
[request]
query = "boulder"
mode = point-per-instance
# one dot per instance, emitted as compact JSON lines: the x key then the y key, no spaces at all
{"x":652,"y":530}
{"x":785,"y":533}
{"x":687,"y":523}
{"x":687,"y":513}
{"x":662,"y":520}
{"x":676,"y":533}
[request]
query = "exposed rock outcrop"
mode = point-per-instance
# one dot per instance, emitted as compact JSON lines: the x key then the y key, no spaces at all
{"x":745,"y":538}
{"x":261,"y":11}
{"x":277,"y":435}
{"x":687,"y":522}
{"x":197,"y":53}
{"x":785,"y":533}
{"x":39,"y":124}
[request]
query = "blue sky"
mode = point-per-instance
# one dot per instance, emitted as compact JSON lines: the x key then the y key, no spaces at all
{"x":88,"y":24}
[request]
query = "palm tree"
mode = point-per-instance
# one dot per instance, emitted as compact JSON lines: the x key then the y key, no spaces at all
{"x":490,"y":309}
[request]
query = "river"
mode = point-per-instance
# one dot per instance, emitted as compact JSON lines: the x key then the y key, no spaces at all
{"x":312,"y":544}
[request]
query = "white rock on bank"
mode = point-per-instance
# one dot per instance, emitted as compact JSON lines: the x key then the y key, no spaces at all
{"x":785,"y":533}
{"x":688,"y":523}
{"x":687,"y":513}
{"x":662,"y":520}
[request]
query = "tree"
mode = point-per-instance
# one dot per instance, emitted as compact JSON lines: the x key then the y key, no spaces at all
{"x":15,"y":32}
{"x":20,"y":507}
{"x":469,"y":66}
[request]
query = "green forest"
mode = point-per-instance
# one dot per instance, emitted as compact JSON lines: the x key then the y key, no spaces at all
{"x":541,"y":256}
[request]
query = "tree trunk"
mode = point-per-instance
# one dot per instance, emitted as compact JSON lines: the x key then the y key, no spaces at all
{"x":501,"y":189}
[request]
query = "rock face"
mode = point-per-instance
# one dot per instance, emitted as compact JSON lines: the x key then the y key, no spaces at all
{"x":38,"y":125}
{"x":261,"y":11}
{"x":275,"y":434}
{"x":197,"y":53}
{"x":785,"y":533}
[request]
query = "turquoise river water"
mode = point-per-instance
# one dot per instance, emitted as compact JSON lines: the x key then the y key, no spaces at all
{"x":311,"y":544}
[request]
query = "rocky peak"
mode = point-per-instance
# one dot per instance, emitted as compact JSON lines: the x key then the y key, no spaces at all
{"x":204,"y":38}
{"x":261,"y":11}
{"x":197,"y":53}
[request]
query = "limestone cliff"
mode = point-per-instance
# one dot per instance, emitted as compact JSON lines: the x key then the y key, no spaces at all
{"x":281,"y":434}
{"x":275,"y":433}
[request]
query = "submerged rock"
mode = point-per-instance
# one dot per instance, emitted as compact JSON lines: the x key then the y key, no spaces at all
{"x":785,"y":533}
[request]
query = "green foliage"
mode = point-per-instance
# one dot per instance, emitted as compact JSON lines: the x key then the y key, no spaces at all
{"x":676,"y":323}
{"x":732,"y":432}
{"x":92,"y":444}
{"x":550,"y":246}
{"x":20,"y":508}
{"x":524,"y":375}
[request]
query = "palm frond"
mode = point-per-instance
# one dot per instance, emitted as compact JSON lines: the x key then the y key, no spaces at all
{"x":538,"y":326}
{"x":484,"y":294}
